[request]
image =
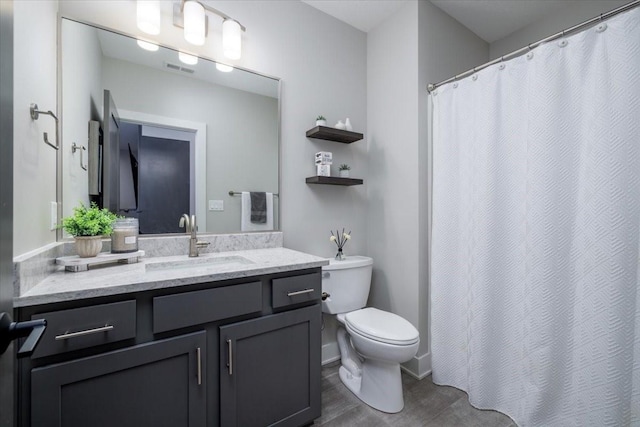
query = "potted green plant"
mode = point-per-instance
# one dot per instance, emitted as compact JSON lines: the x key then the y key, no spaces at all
{"x":343,"y":170}
{"x":321,"y":121}
{"x":88,"y":226}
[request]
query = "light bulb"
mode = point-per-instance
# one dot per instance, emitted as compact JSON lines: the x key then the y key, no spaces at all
{"x":188,"y":59}
{"x":148,"y":16}
{"x":148,"y":46}
{"x":194,"y":19}
{"x":224,"y":68}
{"x":231,"y":39}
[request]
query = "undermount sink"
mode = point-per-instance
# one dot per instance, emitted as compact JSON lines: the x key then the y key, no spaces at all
{"x":202,"y":261}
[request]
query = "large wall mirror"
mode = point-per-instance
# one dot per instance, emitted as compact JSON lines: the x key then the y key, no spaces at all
{"x":154,"y":134}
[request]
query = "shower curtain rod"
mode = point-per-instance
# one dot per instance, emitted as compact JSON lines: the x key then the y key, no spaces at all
{"x":431,"y":87}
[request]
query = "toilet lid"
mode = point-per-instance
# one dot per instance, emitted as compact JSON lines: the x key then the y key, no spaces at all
{"x":382,"y":326}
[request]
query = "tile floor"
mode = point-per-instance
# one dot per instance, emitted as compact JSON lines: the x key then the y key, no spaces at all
{"x":425,"y":404}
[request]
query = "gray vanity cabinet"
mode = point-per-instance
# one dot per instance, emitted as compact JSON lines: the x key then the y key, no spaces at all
{"x":154,"y":384}
{"x":269,"y":370}
{"x":152,"y":358}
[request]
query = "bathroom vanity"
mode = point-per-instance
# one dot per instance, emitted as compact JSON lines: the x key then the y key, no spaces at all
{"x":214,"y":343}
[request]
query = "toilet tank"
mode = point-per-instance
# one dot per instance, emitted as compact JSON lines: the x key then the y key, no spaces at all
{"x":347,"y":282}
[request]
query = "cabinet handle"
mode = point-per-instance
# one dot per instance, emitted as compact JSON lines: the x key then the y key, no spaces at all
{"x":306,"y":291}
{"x":68,"y":335}
{"x":230,"y":363}
{"x":199,"y":356}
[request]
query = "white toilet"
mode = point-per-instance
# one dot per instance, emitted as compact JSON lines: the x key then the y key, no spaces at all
{"x":375,"y":342}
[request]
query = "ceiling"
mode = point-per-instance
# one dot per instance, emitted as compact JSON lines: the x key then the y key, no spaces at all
{"x":491,"y":20}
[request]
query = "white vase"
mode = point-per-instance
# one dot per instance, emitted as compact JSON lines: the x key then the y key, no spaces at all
{"x":321,"y":122}
{"x":347,"y":124}
{"x":88,"y":246}
{"x":344,"y":173}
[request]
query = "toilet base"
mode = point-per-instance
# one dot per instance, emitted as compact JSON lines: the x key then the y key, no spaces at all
{"x":380,"y":385}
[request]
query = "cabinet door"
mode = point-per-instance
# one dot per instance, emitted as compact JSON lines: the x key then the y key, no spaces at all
{"x":270,"y":370}
{"x":154,"y":384}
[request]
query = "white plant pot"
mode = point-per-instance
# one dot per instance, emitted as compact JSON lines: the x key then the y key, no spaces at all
{"x":321,"y":122}
{"x":344,"y":174}
{"x":88,"y":246}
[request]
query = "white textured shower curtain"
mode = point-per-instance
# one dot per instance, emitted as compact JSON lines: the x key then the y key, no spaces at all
{"x":535,"y":237}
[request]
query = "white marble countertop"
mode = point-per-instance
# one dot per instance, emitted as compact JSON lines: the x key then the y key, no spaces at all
{"x":165,"y":272}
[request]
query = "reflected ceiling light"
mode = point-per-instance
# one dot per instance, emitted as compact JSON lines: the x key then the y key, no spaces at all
{"x":188,"y":59}
{"x":191,"y":15}
{"x":231,"y":39}
{"x":224,"y":68}
{"x":194,"y":26}
{"x":148,"y":16}
{"x":148,"y":46}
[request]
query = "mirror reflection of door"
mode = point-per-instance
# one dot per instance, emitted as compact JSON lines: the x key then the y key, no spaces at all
{"x":156,"y":176}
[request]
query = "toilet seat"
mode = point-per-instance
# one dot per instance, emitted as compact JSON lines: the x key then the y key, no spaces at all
{"x":382,"y":326}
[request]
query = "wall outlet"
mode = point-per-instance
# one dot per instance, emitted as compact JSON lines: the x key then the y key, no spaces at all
{"x":216,"y":205}
{"x":54,"y":216}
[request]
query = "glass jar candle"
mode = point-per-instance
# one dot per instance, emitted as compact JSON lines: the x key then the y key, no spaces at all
{"x":125,"y":235}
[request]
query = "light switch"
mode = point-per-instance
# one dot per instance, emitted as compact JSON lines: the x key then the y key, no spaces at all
{"x":216,"y":205}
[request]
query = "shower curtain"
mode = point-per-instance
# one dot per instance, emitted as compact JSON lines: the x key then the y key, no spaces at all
{"x":535,"y":236}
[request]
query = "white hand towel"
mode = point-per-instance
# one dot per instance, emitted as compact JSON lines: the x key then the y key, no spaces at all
{"x":245,"y":215}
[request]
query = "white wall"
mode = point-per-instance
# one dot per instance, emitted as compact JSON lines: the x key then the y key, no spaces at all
{"x":34,"y":162}
{"x":238,"y":125}
{"x":418,"y":45}
{"x":81,"y":102}
{"x":322,"y":63}
{"x":574,"y":13}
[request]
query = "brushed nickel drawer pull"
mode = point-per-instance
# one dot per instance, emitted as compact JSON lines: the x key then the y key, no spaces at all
{"x":306,"y":291}
{"x":230,"y":364}
{"x":68,"y":335}
{"x":199,"y":365}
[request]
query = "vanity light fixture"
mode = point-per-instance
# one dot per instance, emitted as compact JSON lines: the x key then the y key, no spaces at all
{"x":192,"y":16}
{"x":224,"y":68}
{"x":194,"y":22}
{"x":148,"y":16}
{"x":187,"y":58}
{"x":151,"y":47}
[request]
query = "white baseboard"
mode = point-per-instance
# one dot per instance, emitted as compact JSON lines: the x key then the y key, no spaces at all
{"x":330,"y":353}
{"x":418,"y":367}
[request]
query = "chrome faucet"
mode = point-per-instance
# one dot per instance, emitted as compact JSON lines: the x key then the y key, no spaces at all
{"x":191,"y":228}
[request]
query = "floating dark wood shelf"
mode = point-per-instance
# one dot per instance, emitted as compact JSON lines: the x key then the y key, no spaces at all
{"x":333,"y":180}
{"x":333,"y":134}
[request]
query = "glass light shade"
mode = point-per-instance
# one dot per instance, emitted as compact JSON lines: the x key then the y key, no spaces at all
{"x":148,"y":16}
{"x":187,"y":59}
{"x":194,"y":19}
{"x":224,"y":68}
{"x":148,"y":46}
{"x":231,"y":39}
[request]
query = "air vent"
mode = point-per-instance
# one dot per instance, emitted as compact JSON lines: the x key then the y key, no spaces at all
{"x":176,"y":67}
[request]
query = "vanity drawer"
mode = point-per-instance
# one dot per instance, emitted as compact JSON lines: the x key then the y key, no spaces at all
{"x":295,"y":290}
{"x":198,"y":307}
{"x":78,"y":328}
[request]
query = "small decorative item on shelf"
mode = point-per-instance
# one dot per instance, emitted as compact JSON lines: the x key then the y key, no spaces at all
{"x":347,"y":124}
{"x":321,"y":120}
{"x":344,"y":170}
{"x":340,"y":125}
{"x":88,"y":226}
{"x":340,"y":240}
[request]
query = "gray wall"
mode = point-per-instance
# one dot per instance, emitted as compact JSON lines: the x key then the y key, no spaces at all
{"x":575,"y":12}
{"x":81,"y":102}
{"x":34,"y":162}
{"x":418,"y":45}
